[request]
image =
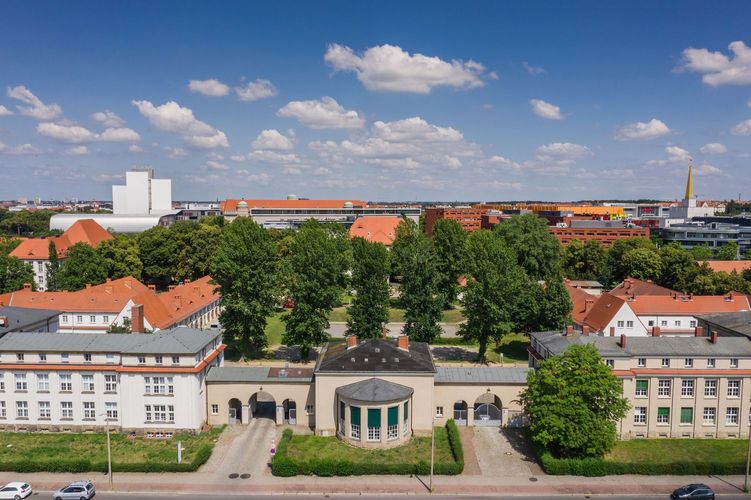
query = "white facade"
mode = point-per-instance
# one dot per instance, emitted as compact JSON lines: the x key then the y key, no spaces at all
{"x":142,"y":194}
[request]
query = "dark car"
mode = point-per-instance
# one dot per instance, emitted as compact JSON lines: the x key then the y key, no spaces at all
{"x":693,"y":491}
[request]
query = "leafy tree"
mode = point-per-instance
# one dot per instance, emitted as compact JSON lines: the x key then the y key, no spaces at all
{"x":537,"y":251}
{"x":121,"y":257}
{"x":573,"y":402}
{"x":196,"y":243}
{"x":369,"y":310}
{"x":318,"y":263}
{"x":420,"y":294}
{"x":678,"y":267}
{"x":53,"y":267}
{"x":620,"y":247}
{"x":245,"y":268}
{"x":642,"y":263}
{"x":7,"y":245}
{"x":14,"y":273}
{"x":727,"y":252}
{"x":404,"y":236}
{"x":585,"y":261}
{"x":158,"y":251}
{"x":701,"y":252}
{"x":555,"y":306}
{"x":494,"y":286}
{"x":28,"y":223}
{"x":449,"y":240}
{"x":83,"y":266}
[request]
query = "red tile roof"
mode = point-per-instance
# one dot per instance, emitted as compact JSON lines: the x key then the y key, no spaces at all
{"x":633,"y":286}
{"x":230,"y":206}
{"x":82,"y":231}
{"x":579,"y":299}
{"x":603,"y":311}
{"x":728,"y":266}
{"x":688,"y":305}
{"x":375,"y":229}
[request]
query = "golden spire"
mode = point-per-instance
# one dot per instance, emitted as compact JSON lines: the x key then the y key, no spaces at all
{"x":690,"y":181}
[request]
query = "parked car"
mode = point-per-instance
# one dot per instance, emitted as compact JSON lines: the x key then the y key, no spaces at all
{"x":16,"y":491}
{"x":693,"y":491}
{"x":78,"y":490}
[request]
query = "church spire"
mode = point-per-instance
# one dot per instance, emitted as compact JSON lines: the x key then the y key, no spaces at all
{"x":690,"y":181}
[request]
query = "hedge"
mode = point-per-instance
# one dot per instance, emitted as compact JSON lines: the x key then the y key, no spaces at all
{"x":284,"y":466}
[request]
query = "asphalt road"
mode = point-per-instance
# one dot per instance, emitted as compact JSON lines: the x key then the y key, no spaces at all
{"x":108,"y":496}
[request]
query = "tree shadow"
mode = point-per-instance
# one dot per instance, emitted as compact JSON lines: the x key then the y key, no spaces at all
{"x":454,"y":353}
{"x":291,"y":353}
{"x":519,"y":441}
{"x":516,"y":349}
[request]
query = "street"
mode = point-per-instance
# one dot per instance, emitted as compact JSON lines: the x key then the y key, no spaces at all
{"x":125,"y":496}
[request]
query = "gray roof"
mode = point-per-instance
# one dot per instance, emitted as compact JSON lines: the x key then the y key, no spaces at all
{"x":375,"y":355}
{"x":21,"y":318}
{"x":228,"y":374}
{"x":175,"y":341}
{"x":739,"y":322}
{"x":375,"y":390}
{"x":481,"y":375}
{"x":609,"y":347}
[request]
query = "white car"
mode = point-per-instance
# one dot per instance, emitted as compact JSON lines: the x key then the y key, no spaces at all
{"x":16,"y":491}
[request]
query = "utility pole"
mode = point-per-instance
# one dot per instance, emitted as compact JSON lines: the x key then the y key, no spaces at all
{"x":109,"y":456}
{"x":748,"y":456}
{"x":432,"y":455}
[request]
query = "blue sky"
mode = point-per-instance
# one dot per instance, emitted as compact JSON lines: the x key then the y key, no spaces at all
{"x":377,"y":100}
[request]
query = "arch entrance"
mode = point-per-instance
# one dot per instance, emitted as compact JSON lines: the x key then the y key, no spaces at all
{"x":488,"y":411}
{"x":235,"y":411}
{"x":262,"y":405}
{"x":460,"y":413}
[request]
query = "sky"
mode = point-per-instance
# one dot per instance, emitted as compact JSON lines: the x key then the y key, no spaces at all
{"x":380,"y":101}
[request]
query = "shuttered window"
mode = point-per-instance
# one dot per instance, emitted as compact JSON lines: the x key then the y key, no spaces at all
{"x":354,"y":415}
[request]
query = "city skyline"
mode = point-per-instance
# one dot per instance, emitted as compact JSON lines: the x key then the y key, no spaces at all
{"x":478,"y":102}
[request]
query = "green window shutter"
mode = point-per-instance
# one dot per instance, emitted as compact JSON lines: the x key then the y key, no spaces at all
{"x":642,"y":385}
{"x":687,"y":415}
{"x":406,"y":410}
{"x":354,"y":415}
{"x":374,"y":417}
{"x":341,"y":410}
{"x":663,"y":412}
{"x":394,"y":415}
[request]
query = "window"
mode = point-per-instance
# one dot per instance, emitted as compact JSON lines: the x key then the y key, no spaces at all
{"x":44,"y":409}
{"x":733,"y":362}
{"x":21,"y":384}
{"x":65,"y":318}
{"x":663,"y":388}
{"x":709,"y":415}
{"x":92,"y":319}
{"x":734,"y":388}
{"x":309,"y":409}
{"x":105,"y":319}
{"x":664,"y":322}
{"x":88,"y":383}
{"x":89,"y":412}
{"x":43,"y":382}
{"x":665,"y":362}
{"x":159,"y":413}
{"x":710,"y":363}
{"x":731,"y":416}
{"x":374,"y":424}
{"x":110,"y":383}
{"x":87,"y":358}
{"x":641,"y":362}
{"x":158,"y":360}
{"x":687,"y":415}
{"x":663,"y":415}
{"x":175,"y":360}
{"x":141,"y":360}
{"x":159,"y":385}
{"x":677,"y":322}
{"x":110,"y":410}
{"x":640,"y":415}
{"x":2,"y":382}
{"x":66,"y":384}
{"x":629,"y":324}
{"x":42,"y":357}
{"x":392,"y":429}
{"x":64,"y":357}
{"x":688,"y":363}
{"x":22,"y":409}
{"x":215,"y":409}
{"x":148,"y":413}
{"x":19,"y":356}
{"x":66,"y":409}
{"x":710,"y":388}
{"x":110,"y":357}
{"x":3,"y":411}
{"x":354,"y":422}
{"x":79,"y":319}
{"x":620,"y":324}
{"x":405,"y":424}
{"x":651,"y":322}
{"x":687,"y":388}
{"x":610,"y":363}
{"x":692,"y":323}
{"x":642,"y":387}
{"x":439,"y":411}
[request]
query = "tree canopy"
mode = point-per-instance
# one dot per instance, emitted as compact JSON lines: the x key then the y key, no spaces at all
{"x":585,"y":261}
{"x":121,"y":257}
{"x":369,"y":310}
{"x":158,"y":251}
{"x":536,"y":250}
{"x":83,"y":266}
{"x":14,"y":273}
{"x":449,"y":241}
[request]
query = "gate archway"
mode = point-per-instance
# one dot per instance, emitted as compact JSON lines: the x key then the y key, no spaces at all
{"x":488,"y":411}
{"x":290,"y":411}
{"x":235,"y":411}
{"x":262,"y":405}
{"x":460,"y":413}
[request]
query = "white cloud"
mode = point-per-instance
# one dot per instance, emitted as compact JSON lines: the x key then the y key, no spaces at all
{"x":706,"y":169}
{"x":215,"y":165}
{"x":237,"y":158}
{"x":272,"y":139}
{"x":322,"y":114}
{"x":749,"y":103}
{"x":5,"y":111}
{"x":273,"y":157}
{"x":175,"y":153}
{"x":415,"y":129}
{"x":134,"y":148}
{"x":262,"y":179}
{"x":256,"y":90}
{"x":533,"y":70}
{"x":108,"y":119}
{"x":20,"y":149}
{"x":388,"y":68}
{"x":642,"y":131}
{"x":713,"y":148}
{"x":171,"y":117}
{"x":545,"y":109}
{"x":717,"y":68}
{"x":76,"y":151}
{"x":121,"y":134}
{"x":674,"y":154}
{"x":211,"y":87}
{"x":563,"y":151}
{"x":743,"y":128}
{"x":66,"y":133}
{"x":502,"y":162}
{"x":34,"y":108}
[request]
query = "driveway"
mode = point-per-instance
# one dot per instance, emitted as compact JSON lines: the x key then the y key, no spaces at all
{"x":243,"y":449}
{"x":504,"y":452}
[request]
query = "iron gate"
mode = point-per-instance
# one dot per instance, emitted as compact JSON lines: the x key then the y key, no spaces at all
{"x":460,"y":414}
{"x":292,"y":417}
{"x":487,"y":414}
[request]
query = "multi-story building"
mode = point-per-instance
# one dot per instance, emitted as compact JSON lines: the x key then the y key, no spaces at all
{"x":152,"y":384}
{"x":35,"y":251}
{"x":605,"y":232}
{"x":712,"y":234}
{"x":695,"y":387}
{"x":470,"y":219}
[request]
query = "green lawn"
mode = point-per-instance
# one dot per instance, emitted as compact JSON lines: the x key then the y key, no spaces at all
{"x":304,"y":448}
{"x":396,"y":315}
{"x":679,"y":450}
{"x":513,"y":347}
{"x":274,"y":329}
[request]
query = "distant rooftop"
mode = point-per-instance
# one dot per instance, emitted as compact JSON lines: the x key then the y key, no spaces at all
{"x":22,"y":318}
{"x":375,"y":355}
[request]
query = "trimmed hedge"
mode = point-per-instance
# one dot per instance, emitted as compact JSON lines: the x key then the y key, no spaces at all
{"x":284,"y":466}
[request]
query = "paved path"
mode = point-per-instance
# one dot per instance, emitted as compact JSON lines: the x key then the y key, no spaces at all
{"x":504,"y":452}
{"x":242,"y":449}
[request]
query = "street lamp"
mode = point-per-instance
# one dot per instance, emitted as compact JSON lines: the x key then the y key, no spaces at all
{"x":748,"y":456}
{"x":432,"y":454}
{"x":109,"y":448}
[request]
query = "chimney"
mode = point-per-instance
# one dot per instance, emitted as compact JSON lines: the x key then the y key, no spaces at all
{"x":612,"y":331}
{"x":351,"y":341}
{"x":585,"y":329}
{"x":699,"y":331}
{"x":186,"y":280}
{"x":622,"y":343}
{"x":384,"y":332}
{"x":569,"y":329}
{"x":713,"y":338}
{"x":171,"y":287}
{"x":27,"y":286}
{"x":402,"y":342}
{"x":588,"y":304}
{"x":136,"y":318}
{"x":152,"y":287}
{"x":88,"y":285}
{"x":108,"y":280}
{"x":655,"y":331}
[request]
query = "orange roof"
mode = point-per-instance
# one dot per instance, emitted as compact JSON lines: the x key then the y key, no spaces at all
{"x":82,"y":231}
{"x":603,"y":311}
{"x":637,"y":287}
{"x":375,"y":229}
{"x":690,"y":305}
{"x":230,"y":206}
{"x":728,"y":266}
{"x":180,"y":302}
{"x":579,"y":299}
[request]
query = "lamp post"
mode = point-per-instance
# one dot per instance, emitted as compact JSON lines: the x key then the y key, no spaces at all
{"x":432,"y":455}
{"x":109,"y":449}
{"x":748,"y":456}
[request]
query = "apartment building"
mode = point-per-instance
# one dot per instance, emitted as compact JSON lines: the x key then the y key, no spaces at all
{"x":152,"y":384}
{"x":695,"y":387}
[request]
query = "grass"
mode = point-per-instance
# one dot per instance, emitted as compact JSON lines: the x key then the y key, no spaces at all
{"x":396,"y":315}
{"x":679,"y":450}
{"x":274,"y":329}
{"x":416,"y":450}
{"x":62,"y":446}
{"x":513,"y":347}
